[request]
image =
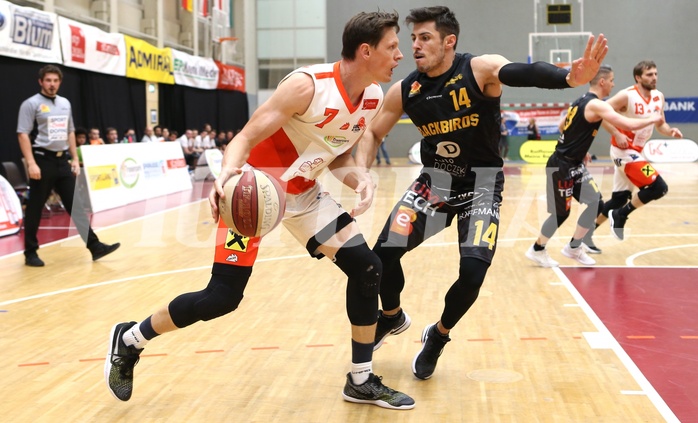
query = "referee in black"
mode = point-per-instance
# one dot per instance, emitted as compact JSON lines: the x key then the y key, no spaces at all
{"x":49,"y":165}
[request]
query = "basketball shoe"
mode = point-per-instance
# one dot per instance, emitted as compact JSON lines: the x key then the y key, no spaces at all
{"x":121,"y":359}
{"x":390,"y":326}
{"x":617,"y":224}
{"x":374,"y":392}
{"x":578,"y":254}
{"x":541,"y":258}
{"x":433,"y":344}
{"x":588,"y":244}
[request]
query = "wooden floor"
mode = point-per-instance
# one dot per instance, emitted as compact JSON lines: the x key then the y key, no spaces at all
{"x":522,"y":353}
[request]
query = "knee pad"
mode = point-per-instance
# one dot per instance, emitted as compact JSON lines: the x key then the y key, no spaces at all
{"x":222,"y":295}
{"x":364,"y":270}
{"x":618,"y":200}
{"x":653,"y":191}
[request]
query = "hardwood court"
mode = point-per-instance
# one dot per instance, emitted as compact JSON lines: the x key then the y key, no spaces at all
{"x":532,"y":348}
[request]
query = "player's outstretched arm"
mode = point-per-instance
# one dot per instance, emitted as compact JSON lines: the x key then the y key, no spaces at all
{"x":586,"y":67}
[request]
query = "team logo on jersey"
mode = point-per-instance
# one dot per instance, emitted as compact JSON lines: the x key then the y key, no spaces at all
{"x":344,"y":127}
{"x":235,"y":242}
{"x":656,"y":98}
{"x":370,"y":104}
{"x":402,"y":222}
{"x":454,"y":80}
{"x":448,"y":149}
{"x":414,"y":89}
{"x":335,"y":141}
{"x":44,"y":108}
{"x":233,"y":258}
{"x":360,"y":125}
{"x":308,"y":166}
{"x":648,"y":170}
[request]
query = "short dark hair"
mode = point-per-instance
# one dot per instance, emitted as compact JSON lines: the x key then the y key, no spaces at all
{"x":366,"y":27}
{"x":442,"y":16}
{"x":604,"y":71}
{"x":643,"y":66}
{"x":80,"y":131}
{"x":50,"y":69}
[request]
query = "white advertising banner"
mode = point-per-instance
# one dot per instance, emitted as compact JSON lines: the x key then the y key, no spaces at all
{"x":88,"y":47}
{"x":194,"y":71}
{"x":120,"y":174}
{"x":671,"y":151}
{"x":29,"y":34}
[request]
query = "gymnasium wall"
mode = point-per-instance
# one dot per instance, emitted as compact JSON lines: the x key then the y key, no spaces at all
{"x":659,"y":30}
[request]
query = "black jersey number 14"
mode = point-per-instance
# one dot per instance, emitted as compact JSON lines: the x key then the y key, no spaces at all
{"x":460,"y":98}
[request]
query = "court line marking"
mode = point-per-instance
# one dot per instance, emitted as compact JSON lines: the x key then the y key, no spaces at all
{"x":613,"y":344}
{"x":129,"y":279}
{"x":630,"y":261}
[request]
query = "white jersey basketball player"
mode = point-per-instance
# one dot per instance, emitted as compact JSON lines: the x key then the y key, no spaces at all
{"x":632,"y":169}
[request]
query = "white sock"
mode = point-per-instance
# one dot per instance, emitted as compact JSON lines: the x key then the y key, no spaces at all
{"x":360,"y":372}
{"x":134,"y":337}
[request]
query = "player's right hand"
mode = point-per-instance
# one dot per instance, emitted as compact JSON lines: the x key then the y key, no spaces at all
{"x":217,"y":190}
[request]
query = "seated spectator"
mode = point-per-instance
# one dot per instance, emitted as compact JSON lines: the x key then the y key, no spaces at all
{"x":94,"y":137}
{"x":187,"y":143}
{"x":221,"y":140}
{"x":173,"y":136}
{"x":157,"y":132}
{"x":149,"y":135}
{"x":112,"y":137}
{"x":129,"y":136}
{"x":165,"y":135}
{"x":80,"y":136}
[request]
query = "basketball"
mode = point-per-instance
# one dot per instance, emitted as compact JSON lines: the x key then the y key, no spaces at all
{"x":253,"y":204}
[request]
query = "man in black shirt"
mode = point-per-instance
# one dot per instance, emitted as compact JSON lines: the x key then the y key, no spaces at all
{"x":568,"y":176}
{"x":454,"y":100}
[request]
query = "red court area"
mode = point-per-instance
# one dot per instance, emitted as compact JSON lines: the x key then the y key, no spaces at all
{"x":653,"y":314}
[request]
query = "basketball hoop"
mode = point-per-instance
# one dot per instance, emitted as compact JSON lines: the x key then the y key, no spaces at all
{"x":225,"y":49}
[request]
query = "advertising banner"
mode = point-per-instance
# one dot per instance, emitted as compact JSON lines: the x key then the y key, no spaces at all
{"x":194,"y":71}
{"x":547,"y":120}
{"x":230,"y":77}
{"x":147,"y":62}
{"x":88,"y":47}
{"x":671,"y":151}
{"x":120,"y":174}
{"x":681,"y":110}
{"x":29,"y":34}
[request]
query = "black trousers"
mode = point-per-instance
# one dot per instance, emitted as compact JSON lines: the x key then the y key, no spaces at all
{"x":55,"y":175}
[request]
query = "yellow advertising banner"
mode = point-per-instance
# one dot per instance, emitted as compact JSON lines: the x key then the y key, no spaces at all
{"x":147,"y":62}
{"x":537,"y":151}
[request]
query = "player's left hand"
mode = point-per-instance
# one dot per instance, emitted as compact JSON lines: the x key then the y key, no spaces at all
{"x":676,"y":133}
{"x":366,"y":189}
{"x":585,"y":68}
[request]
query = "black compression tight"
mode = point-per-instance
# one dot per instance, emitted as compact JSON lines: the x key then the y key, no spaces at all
{"x":464,"y":291}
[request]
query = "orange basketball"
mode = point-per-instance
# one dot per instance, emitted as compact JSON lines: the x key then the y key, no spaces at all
{"x":253,"y":204}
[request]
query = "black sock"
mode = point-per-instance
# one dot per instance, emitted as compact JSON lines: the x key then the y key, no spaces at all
{"x":538,"y":247}
{"x":361,"y":353}
{"x":147,"y":329}
{"x":393,"y":316}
